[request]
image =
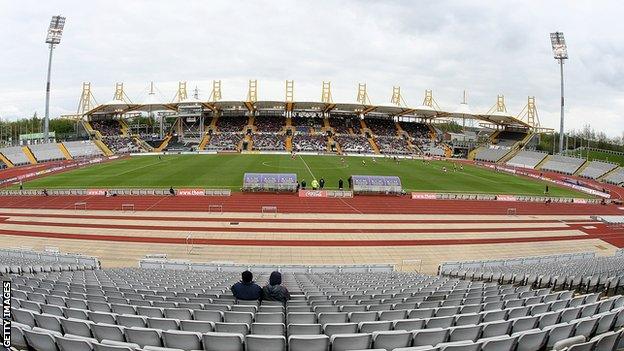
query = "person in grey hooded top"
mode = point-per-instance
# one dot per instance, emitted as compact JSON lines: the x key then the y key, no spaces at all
{"x":274,"y":291}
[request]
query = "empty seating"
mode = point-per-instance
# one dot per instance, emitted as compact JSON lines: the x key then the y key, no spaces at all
{"x":47,"y":152}
{"x":563,"y":164}
{"x":596,"y":169}
{"x":527,"y":159}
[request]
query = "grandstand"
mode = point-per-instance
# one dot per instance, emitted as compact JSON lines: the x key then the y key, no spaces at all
{"x":527,"y":159}
{"x":616,"y":177}
{"x":562,"y":164}
{"x":596,"y":169}
{"x":492,"y":153}
{"x":83,"y":148}
{"x":15,"y":155}
{"x":46,"y":152}
{"x":361,"y":309}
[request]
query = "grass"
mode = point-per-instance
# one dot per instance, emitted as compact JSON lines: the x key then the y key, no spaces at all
{"x":599,"y":156}
{"x":226,"y":171}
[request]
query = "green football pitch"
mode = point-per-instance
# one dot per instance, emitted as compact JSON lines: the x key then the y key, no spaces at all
{"x":226,"y":171}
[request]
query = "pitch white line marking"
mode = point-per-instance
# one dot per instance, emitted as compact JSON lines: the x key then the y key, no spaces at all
{"x":308,"y":167}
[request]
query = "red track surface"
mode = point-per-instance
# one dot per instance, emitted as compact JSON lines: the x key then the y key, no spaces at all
{"x":292,"y":204}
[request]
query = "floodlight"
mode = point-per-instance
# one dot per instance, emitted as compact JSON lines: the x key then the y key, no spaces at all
{"x":55,"y":31}
{"x":559,"y":48}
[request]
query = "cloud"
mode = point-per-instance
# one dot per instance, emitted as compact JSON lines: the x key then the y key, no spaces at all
{"x":484,"y":47}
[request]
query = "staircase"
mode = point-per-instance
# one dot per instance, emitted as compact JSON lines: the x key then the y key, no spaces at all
{"x":204,"y":142}
{"x":473,"y":153}
{"x":29,"y":155}
{"x":494,"y":136}
{"x":373,"y":144}
{"x":288,"y":121}
{"x":250,"y":123}
{"x":64,"y":151}
{"x":289,"y":146}
{"x":125,"y":130}
{"x":99,"y":143}
{"x":432,"y":132}
{"x":582,"y":168}
{"x":6,"y":161}
{"x":143,"y":144}
{"x":400,"y":130}
{"x":249,"y":141}
{"x":539,"y":165}
{"x":213,"y":123}
{"x":616,"y":169}
{"x":448,"y":151}
{"x":164,"y":144}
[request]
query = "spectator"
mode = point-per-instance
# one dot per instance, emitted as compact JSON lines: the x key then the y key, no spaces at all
{"x":350,"y":180}
{"x":315,"y":184}
{"x":171,"y":191}
{"x":274,"y":291}
{"x":303,"y":184}
{"x":340,"y":184}
{"x":321,"y":183}
{"x":246,"y":289}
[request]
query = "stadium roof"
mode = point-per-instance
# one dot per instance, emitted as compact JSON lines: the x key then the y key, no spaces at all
{"x":391,"y":110}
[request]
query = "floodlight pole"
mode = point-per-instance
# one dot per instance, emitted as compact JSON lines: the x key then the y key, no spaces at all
{"x":562,"y":108}
{"x":46,"y":120}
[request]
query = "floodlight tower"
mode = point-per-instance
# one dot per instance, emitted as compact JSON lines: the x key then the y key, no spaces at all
{"x":55,"y":32}
{"x":560,"y":52}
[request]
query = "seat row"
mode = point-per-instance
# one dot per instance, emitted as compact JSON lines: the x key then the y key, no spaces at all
{"x":417,"y":340}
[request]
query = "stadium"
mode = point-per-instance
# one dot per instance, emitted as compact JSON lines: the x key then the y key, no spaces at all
{"x":392,"y":226}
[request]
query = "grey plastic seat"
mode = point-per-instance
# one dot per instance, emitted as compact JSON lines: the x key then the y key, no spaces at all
{"x":237,"y":317}
{"x":391,"y":340}
{"x":18,"y":340}
{"x":24,"y":317}
{"x":208,"y":316}
{"x":131,"y":321}
{"x":548,"y":318}
{"x":357,"y":317}
{"x":332,"y":317}
{"x":524,"y":323}
{"x":301,"y":318}
{"x":40,"y":341}
{"x":49,"y":322}
{"x":605,"y":322}
{"x":465,"y":345}
{"x":74,"y":343}
{"x":109,"y":345}
{"x":182,"y":340}
{"x":77,"y":313}
{"x":102,"y":317}
{"x":344,"y":342}
{"x":53,"y":310}
{"x":369,"y":327}
{"x":269,"y":317}
{"x":123,"y":309}
{"x":178,"y":313}
{"x":163,"y":323}
{"x":567,"y":342}
{"x":197,"y":326}
{"x":77,"y":327}
{"x":308,"y":343}
{"x":330,"y":329}
{"x":265,"y":342}
{"x":570,"y":314}
{"x":429,"y":336}
{"x":235,"y":328}
{"x":468,"y":319}
{"x":143,"y":336}
{"x":268,"y":329}
{"x":408,"y":324}
{"x":495,"y":328}
{"x":499,"y":344}
{"x":464,"y":332}
{"x":558,"y":332}
{"x":440,"y":322}
{"x":215,"y":341}
{"x":421,"y":313}
{"x":392,"y":315}
{"x":585,"y":326}
{"x":607,"y":341}
{"x":532,"y":340}
{"x":305,"y":329}
{"x":108,"y":332}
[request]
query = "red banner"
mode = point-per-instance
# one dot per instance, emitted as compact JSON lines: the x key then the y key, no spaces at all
{"x":96,"y":192}
{"x":312,"y":193}
{"x":424,"y":196}
{"x":191,"y":192}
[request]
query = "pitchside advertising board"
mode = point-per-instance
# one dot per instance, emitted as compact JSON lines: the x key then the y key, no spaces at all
{"x":376,"y":184}
{"x":270,"y":182}
{"x":6,"y":313}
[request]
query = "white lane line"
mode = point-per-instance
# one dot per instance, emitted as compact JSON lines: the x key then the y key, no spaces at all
{"x":308,"y":167}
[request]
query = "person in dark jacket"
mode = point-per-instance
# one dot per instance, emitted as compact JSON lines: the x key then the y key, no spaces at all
{"x":246,"y":289}
{"x":274,"y":291}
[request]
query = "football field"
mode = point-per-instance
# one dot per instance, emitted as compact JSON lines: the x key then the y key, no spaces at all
{"x":226,"y":171}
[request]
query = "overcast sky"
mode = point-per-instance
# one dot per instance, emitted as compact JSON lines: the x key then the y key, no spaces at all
{"x":484,"y":47}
